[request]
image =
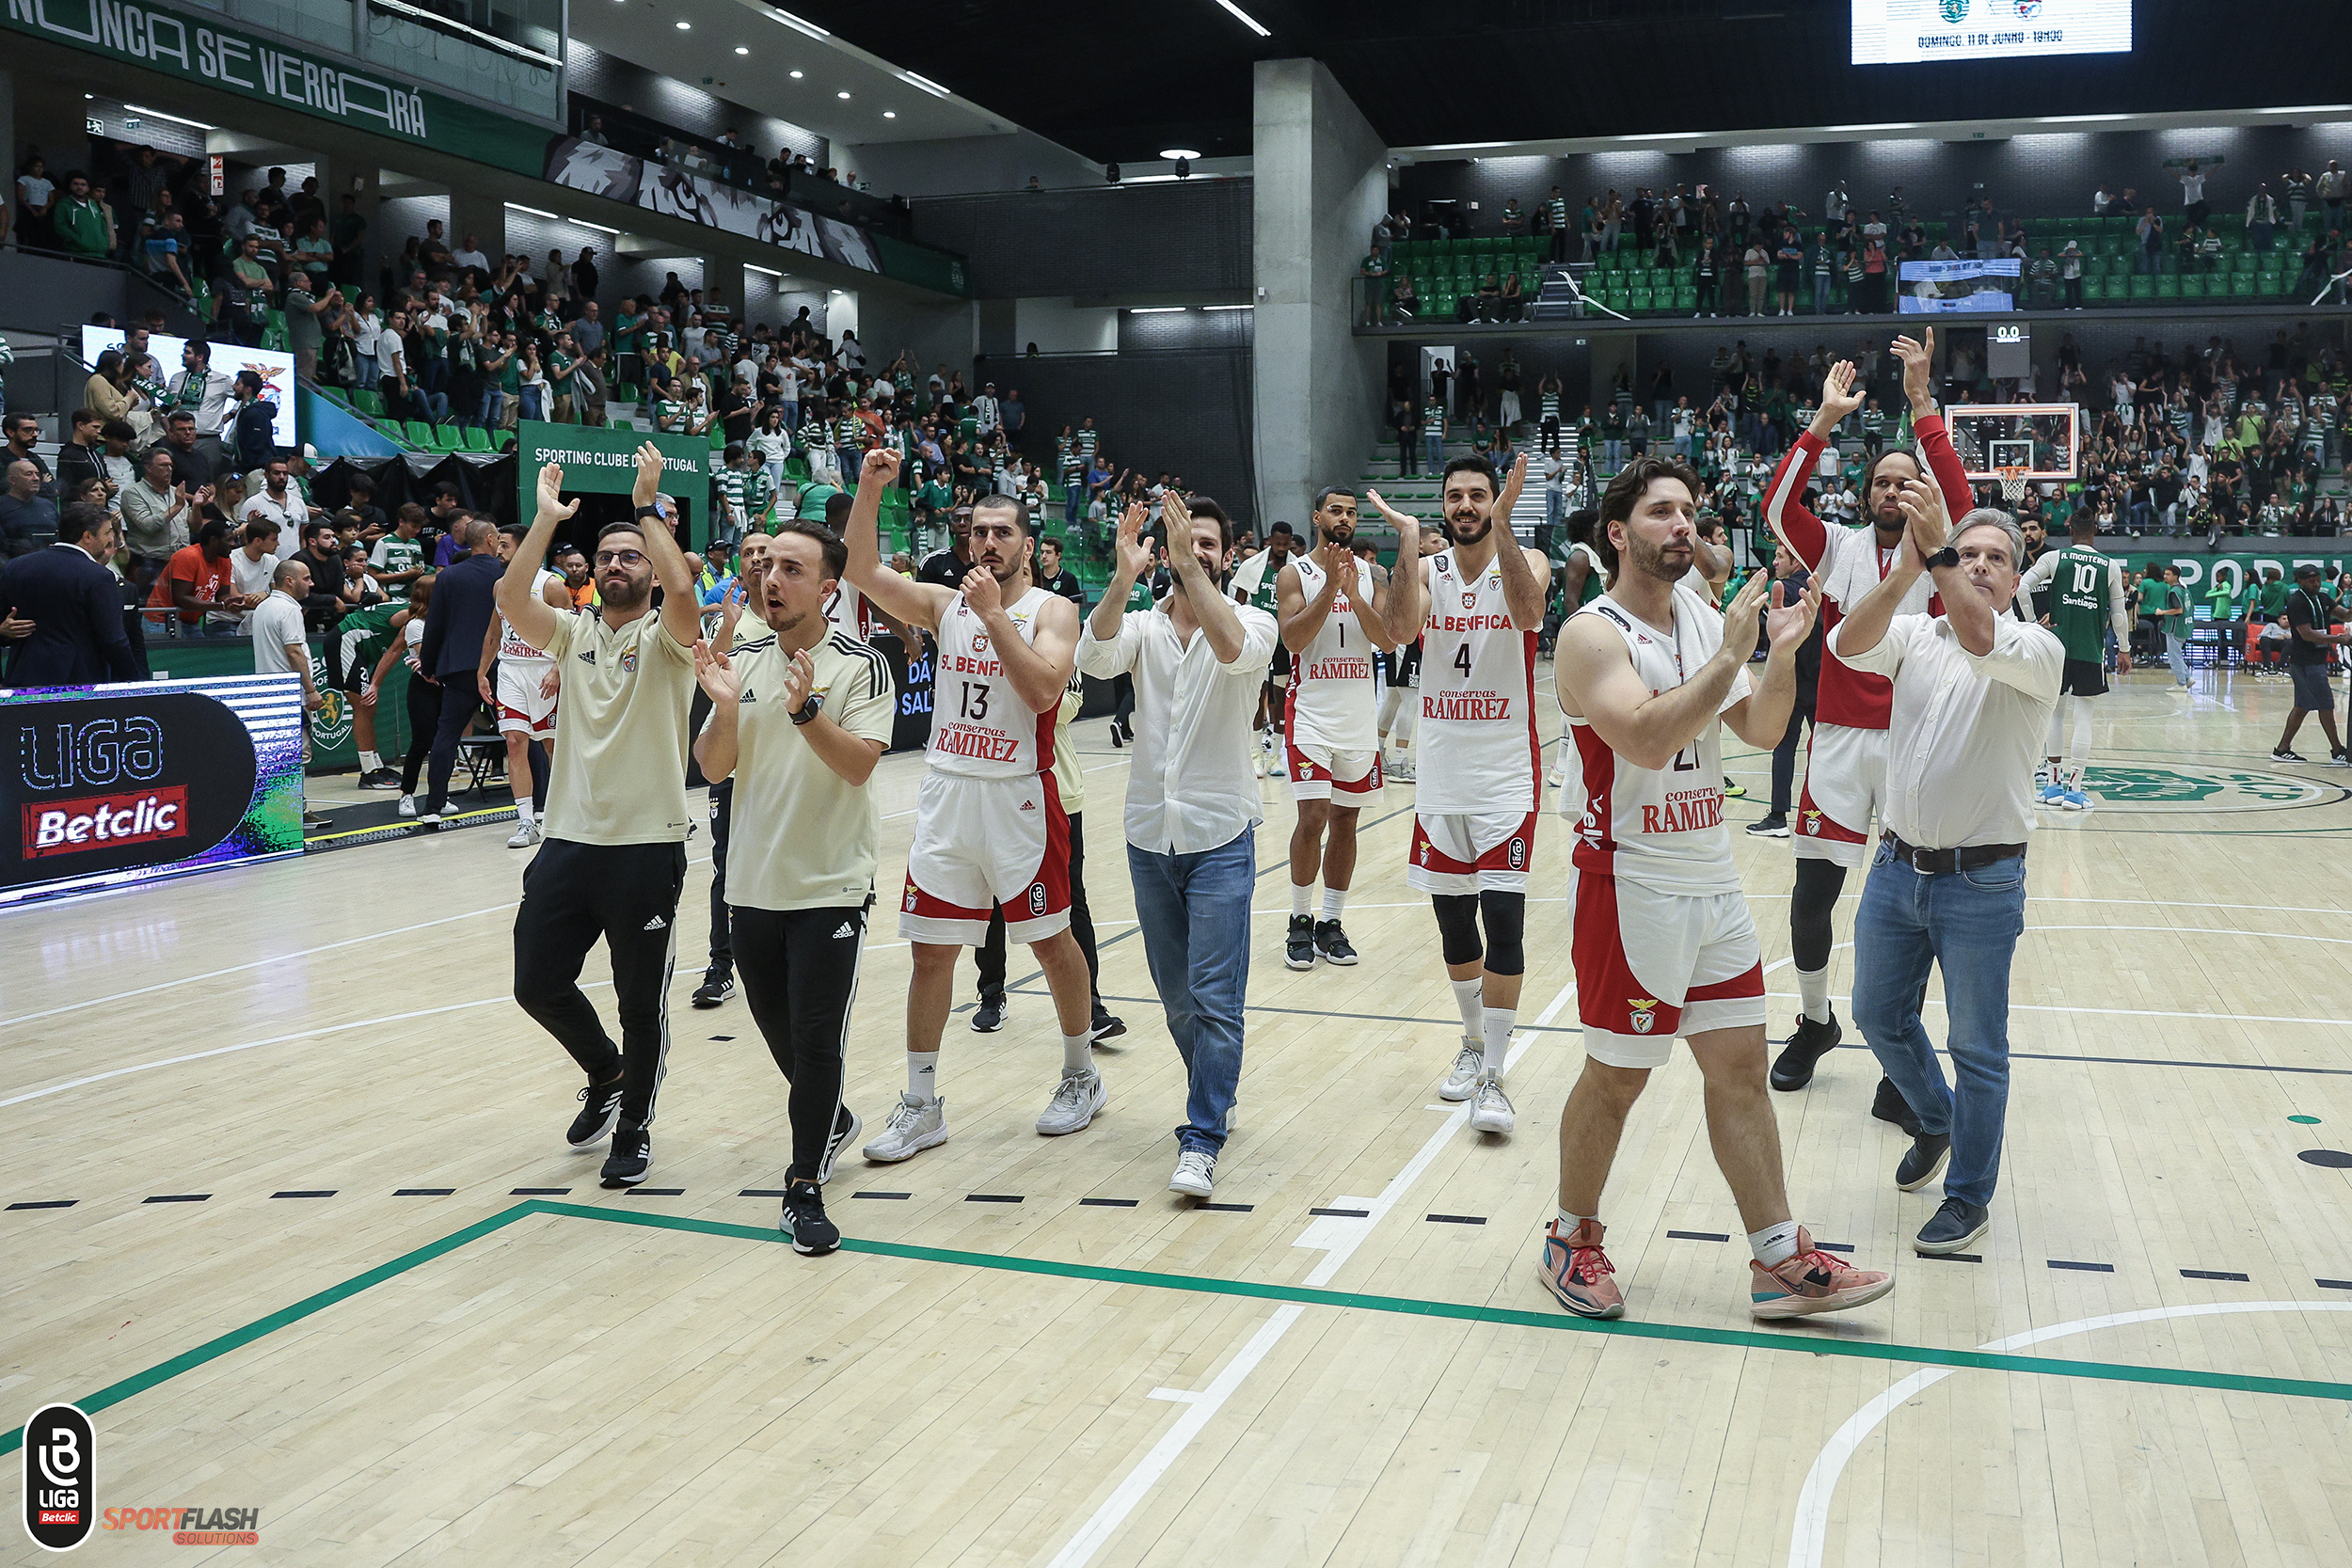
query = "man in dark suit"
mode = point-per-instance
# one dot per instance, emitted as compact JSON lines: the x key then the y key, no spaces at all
{"x":464,"y":599}
{"x":76,"y":606}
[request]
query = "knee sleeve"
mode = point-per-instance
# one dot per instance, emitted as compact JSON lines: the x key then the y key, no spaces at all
{"x":1818,"y":882}
{"x":1505,"y":915}
{"x":1457,"y":926}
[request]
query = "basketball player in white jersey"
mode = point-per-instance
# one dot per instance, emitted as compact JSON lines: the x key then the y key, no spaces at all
{"x":523,"y":696}
{"x":1845,"y":771}
{"x":1480,"y":605}
{"x":1664,"y":944}
{"x":845,"y":607}
{"x":989,"y":827}
{"x":1330,"y":611}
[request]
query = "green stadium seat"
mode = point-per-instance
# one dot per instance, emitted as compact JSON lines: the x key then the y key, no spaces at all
{"x":419,"y":435}
{"x":2241,"y":285}
{"x":478,"y":439}
{"x":2168,"y":286}
{"x":369,"y":403}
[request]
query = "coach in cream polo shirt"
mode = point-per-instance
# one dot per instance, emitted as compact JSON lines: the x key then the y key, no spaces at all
{"x":614,"y":857}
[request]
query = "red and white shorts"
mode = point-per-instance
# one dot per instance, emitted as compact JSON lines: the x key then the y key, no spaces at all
{"x":1844,"y":785}
{"x":1470,"y":854}
{"x":1317,"y":773}
{"x":1655,"y":966}
{"x":980,"y":842}
{"x":521,"y":710}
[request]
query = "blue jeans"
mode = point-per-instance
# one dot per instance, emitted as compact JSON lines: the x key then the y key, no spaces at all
{"x":1194,"y":914}
{"x":529,"y":396}
{"x":1965,"y":923}
{"x":1821,"y":295}
{"x":1434,"y":449}
{"x":1613,"y":453}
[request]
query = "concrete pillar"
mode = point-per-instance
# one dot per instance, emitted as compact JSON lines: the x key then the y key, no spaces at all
{"x":1609,"y":350}
{"x":1321,"y":183}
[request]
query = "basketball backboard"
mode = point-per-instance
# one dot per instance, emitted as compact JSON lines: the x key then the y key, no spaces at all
{"x":2016,"y":440}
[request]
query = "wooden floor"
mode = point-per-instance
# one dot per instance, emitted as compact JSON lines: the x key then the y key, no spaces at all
{"x":1033,"y":1354}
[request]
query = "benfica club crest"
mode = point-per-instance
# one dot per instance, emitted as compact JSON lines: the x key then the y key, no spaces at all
{"x":910,"y":904}
{"x":1812,"y":823}
{"x":1642,"y":1014}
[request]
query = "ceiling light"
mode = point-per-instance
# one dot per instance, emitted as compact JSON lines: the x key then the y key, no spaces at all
{"x":925,"y":83}
{"x":1172,"y":153}
{"x":796,"y":76}
{"x":605,"y":229}
{"x":536,"y":213}
{"x":685,"y":26}
{"x":176,"y":119}
{"x":1245,"y":19}
{"x":753,"y":266}
{"x":797,"y":25}
{"x":890,"y":114}
{"x":843,"y":93}
{"x":1226,"y":306}
{"x":841,"y":291}
{"x":740,"y":50}
{"x":1154,"y":310}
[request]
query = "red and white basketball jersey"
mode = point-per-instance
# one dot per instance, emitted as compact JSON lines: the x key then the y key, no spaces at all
{"x":851,"y":611}
{"x":1660,"y":829}
{"x":1331,"y":702}
{"x":1477,"y":747}
{"x":1853,"y":564}
{"x":981,"y":728}
{"x":512,"y":648}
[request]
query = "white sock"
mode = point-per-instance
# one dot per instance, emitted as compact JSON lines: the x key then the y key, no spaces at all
{"x":370,"y":762}
{"x":923,"y":1074}
{"x":1774,"y":1244}
{"x":1813,"y":985}
{"x":1469,"y":995}
{"x":1569,"y":1222}
{"x":1334,"y":900}
{"x":1302,"y":898}
{"x":1497,"y":1025}
{"x":1077,"y":1053}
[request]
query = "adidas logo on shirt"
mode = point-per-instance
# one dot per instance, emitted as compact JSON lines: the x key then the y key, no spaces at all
{"x":588,"y":657}
{"x":844,"y":932}
{"x":657,"y":924}
{"x":746,"y":697}
{"x":1028,"y":805}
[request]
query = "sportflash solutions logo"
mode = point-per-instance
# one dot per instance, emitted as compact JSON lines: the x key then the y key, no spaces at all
{"x":59,"y":1471}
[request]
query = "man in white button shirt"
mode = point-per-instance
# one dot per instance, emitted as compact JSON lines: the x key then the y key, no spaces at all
{"x":1972,"y":694}
{"x":1197,"y":658}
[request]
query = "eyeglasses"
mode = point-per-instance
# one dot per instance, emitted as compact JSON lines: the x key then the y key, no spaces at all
{"x":620,"y":558}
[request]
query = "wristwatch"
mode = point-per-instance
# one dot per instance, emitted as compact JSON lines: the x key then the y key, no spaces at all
{"x":810,"y":709}
{"x":1945,"y":556}
{"x":646,"y":512}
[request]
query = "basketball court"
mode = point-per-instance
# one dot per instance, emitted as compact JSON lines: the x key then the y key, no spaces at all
{"x":294,"y":1221}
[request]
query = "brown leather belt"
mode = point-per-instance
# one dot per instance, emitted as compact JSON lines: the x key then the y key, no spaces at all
{"x":1936,"y":863}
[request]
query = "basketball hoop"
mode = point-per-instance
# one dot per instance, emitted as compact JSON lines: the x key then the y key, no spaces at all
{"x":2012,"y":482}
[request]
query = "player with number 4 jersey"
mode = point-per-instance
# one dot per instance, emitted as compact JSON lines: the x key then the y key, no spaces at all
{"x":1480,"y":605}
{"x":989,"y":825}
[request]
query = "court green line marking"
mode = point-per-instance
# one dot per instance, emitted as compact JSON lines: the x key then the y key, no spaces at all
{"x":1792,"y":1341}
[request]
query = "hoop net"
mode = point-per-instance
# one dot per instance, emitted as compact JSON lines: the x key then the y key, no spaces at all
{"x":2012,"y":482}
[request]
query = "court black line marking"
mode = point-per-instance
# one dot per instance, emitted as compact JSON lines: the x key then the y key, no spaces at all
{"x":424,"y":1192}
{"x":537,"y":1192}
{"x":46,"y":1203}
{"x":2154,"y":1061}
{"x":1344,"y":1213}
{"x":722,"y":1036}
{"x":178,"y":1197}
{"x":1455,"y":1219}
{"x":882,"y":1194}
{"x":2333,"y":1284}
{"x":1834,"y":1246}
{"x":1228,"y":1208}
{"x":992,"y":1197}
{"x":655,"y":1191}
{"x":771,"y":1192}
{"x":2087,"y":1268}
{"x":1697,"y":1236}
{"x":315,"y":1191}
{"x":2330,"y":1159}
{"x":1950,"y":1257}
{"x":1107,"y":1202}
{"x":2214,"y":1273}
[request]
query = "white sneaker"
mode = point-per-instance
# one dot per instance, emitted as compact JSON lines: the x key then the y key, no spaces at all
{"x":1557,"y":777}
{"x":429,"y":820}
{"x":1461,"y":1079}
{"x":407,"y":805}
{"x":915,"y":1125}
{"x":1491,"y":1111}
{"x":1196,"y":1173}
{"x":1076,"y":1099}
{"x":1401,"y":768}
{"x":526,"y":834}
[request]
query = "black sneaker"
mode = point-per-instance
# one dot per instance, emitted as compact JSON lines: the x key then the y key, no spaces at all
{"x":1956,"y":1223}
{"x":1298,"y":947}
{"x":312,"y":822}
{"x":1923,"y":1161}
{"x":1888,"y":1104}
{"x":631,"y":1156}
{"x":803,"y":1220}
{"x":1793,"y":1068}
{"x":717,"y":986}
{"x":383,"y":778}
{"x":600,"y":1107}
{"x":989,"y":1016}
{"x":2340,"y":758}
{"x":1332,"y":943}
{"x":1117,"y":741}
{"x":1774,"y":825}
{"x":845,"y":1127}
{"x":1105,"y":1027}
{"x":2282,"y":755}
